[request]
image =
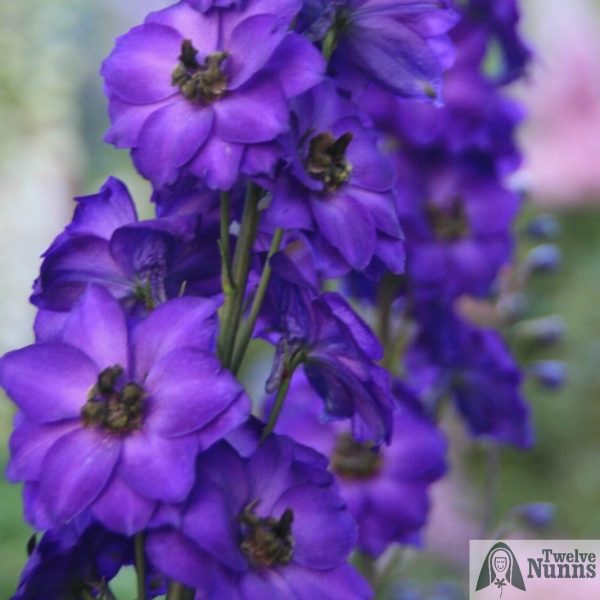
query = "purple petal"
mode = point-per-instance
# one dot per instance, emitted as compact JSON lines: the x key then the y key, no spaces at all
{"x":370,"y":170}
{"x":233,"y":416}
{"x":248,"y":57}
{"x":289,"y":205}
{"x":182,"y":322}
{"x":218,"y":163}
{"x":97,"y":327}
{"x":170,"y":138}
{"x":122,"y":510}
{"x":68,"y":270}
{"x":48,"y":326}
{"x":29,"y":444}
{"x":323,"y":530}
{"x":100,"y":214}
{"x":189,"y":389}
{"x":126,"y":121}
{"x":344,"y":582}
{"x":139,"y":68}
{"x":157,"y":468}
{"x":298,"y":64}
{"x":347,"y":226}
{"x":76,"y":470}
{"x":184,"y":561}
{"x":382,"y":209}
{"x":49,"y":382}
{"x":203,"y":31}
{"x":256,"y":112}
{"x":33,"y":509}
{"x":270,"y":583}
{"x":209,"y":522}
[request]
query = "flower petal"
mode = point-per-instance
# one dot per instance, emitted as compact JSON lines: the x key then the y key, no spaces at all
{"x":49,"y":382}
{"x":29,"y":444}
{"x":97,"y":327}
{"x":122,"y":510}
{"x":157,"y":468}
{"x":348,"y":226}
{"x":324,"y":531}
{"x":170,"y":138}
{"x":189,"y":389}
{"x":246,"y":56}
{"x":76,"y":470}
{"x":256,"y":112}
{"x":139,"y":68}
{"x":218,"y":163}
{"x":182,"y":322}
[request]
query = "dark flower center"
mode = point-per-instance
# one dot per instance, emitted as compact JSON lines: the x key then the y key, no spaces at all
{"x":117,"y":409}
{"x":448,"y":223}
{"x":267,"y":541}
{"x":202,"y":83}
{"x":327,"y":161}
{"x":353,"y":460}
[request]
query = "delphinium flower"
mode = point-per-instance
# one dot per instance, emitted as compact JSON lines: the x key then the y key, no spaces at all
{"x":271,"y":525}
{"x":78,"y":560}
{"x":338,"y":353}
{"x":451,"y":358}
{"x":141,"y":263}
{"x":338,"y":186}
{"x":386,"y":489}
{"x":398,"y":45}
{"x":195,"y":90}
{"x":111,"y":420}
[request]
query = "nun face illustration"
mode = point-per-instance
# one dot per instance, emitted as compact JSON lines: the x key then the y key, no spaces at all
{"x":500,"y":562}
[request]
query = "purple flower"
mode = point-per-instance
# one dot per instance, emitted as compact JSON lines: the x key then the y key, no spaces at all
{"x":142,"y":264}
{"x":399,"y":45}
{"x":192,"y":90}
{"x":472,"y":366}
{"x":338,"y":186}
{"x":111,"y":419}
{"x":268,"y":526}
{"x":76,"y":558}
{"x":338,"y":352}
{"x":387,"y":489}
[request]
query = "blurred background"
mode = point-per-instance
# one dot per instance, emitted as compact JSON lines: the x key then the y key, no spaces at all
{"x":52,"y":120}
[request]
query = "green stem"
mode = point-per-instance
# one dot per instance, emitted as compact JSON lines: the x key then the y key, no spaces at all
{"x":366,"y":565}
{"x":234,"y":298}
{"x":224,"y":237}
{"x":247,"y":328}
{"x":178,"y":591}
{"x":284,"y":386}
{"x":140,"y":566}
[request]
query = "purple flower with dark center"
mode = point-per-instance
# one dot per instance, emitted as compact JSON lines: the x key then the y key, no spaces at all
{"x":399,"y":45}
{"x":386,"y":489}
{"x":338,"y":185}
{"x":268,"y":526}
{"x":141,"y":263}
{"x":338,"y":353}
{"x":193,"y":91}
{"x":76,"y":559}
{"x":472,"y":366}
{"x":111,"y":419}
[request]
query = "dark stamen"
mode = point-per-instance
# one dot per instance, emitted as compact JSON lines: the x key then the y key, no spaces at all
{"x":202,"y":83}
{"x":117,"y":410}
{"x":267,"y":541}
{"x":353,"y":460}
{"x":327,"y":160}
{"x":448,"y":223}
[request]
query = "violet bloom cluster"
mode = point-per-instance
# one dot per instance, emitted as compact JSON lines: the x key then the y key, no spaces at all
{"x":293,"y":148}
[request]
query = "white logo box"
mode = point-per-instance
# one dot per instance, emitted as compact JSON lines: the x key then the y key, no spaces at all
{"x":534,"y":569}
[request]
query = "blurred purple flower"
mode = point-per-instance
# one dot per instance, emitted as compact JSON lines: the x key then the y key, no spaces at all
{"x":387,"y":489}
